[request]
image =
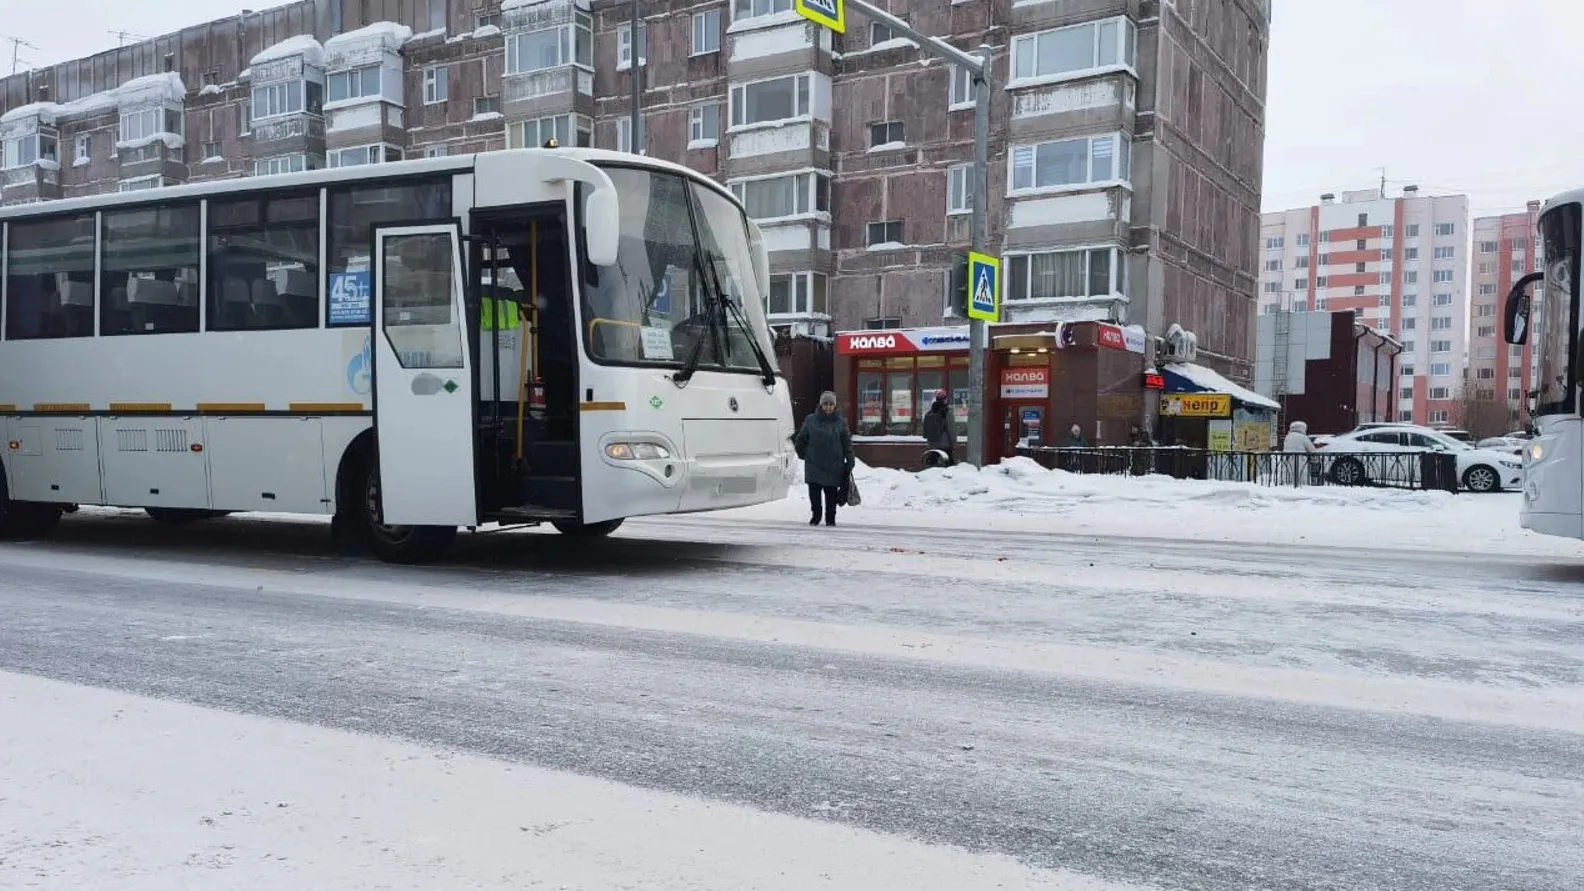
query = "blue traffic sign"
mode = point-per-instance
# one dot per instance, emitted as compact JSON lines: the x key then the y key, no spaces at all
{"x":984,"y":287}
{"x":830,"y":13}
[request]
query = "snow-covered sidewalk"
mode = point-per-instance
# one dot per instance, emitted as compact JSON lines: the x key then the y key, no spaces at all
{"x":1019,"y":495}
{"x":110,"y":791}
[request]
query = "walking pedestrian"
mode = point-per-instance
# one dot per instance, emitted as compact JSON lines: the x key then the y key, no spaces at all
{"x":825,"y":445}
{"x":940,"y":432}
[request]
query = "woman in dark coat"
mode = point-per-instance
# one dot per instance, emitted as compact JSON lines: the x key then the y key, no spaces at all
{"x":825,"y":445}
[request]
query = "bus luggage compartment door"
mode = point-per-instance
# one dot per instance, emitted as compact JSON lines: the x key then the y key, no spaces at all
{"x":423,"y":378}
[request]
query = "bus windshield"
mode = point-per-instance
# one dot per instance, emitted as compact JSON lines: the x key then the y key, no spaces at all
{"x":680,"y":241}
{"x":1557,"y":310}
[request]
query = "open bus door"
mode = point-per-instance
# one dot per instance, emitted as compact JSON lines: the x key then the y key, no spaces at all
{"x":424,"y":400}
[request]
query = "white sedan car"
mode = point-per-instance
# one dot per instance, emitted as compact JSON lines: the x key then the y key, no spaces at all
{"x":1479,"y":470}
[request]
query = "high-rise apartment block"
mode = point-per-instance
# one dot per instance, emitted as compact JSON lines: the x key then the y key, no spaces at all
{"x":1400,"y":264}
{"x":1506,"y":248}
{"x":1126,"y":156}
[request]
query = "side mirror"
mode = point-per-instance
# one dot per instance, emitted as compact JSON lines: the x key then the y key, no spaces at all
{"x":1515,"y":315}
{"x":602,"y":226}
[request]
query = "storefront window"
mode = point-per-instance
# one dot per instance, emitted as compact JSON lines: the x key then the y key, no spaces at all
{"x":870,"y":400}
{"x":900,"y":417}
{"x":931,"y":377}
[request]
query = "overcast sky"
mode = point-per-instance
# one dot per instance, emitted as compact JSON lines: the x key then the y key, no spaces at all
{"x":1444,"y":94}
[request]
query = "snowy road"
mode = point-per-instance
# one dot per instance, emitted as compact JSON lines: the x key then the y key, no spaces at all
{"x":1171,"y":714}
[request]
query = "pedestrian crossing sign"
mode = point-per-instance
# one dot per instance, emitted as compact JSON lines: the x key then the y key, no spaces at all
{"x":984,"y":287}
{"x":830,"y":13}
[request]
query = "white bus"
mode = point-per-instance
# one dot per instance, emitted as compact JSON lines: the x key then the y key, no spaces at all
{"x":563,"y":336}
{"x":1553,"y":492}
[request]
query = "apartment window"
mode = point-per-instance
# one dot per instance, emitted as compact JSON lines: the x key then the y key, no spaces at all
{"x":1514,"y":373}
{"x":1485,"y":310}
{"x":437,"y":15}
{"x":880,"y":32}
{"x":1360,"y":245}
{"x":487,"y":20}
{"x":483,"y":105}
{"x":1385,"y":301}
{"x":1273,"y":265}
{"x":1300,"y":284}
{"x":784,"y":196}
{"x":1518,"y":266}
{"x":1387,"y":232}
{"x":1487,"y":247}
{"x":1515,"y":394}
{"x":1440,"y":346}
{"x":1441,"y":276}
{"x":1303,"y":239}
{"x":1413,"y":230}
{"x":764,"y":101}
{"x":363,"y":154}
{"x":799,"y":293}
{"x":1486,"y":374}
{"x":1410,"y":300}
{"x":151,"y":256}
{"x":1407,"y":370}
{"x":1300,"y":306}
{"x":746,"y":9}
{"x":887,"y":133}
{"x":624,"y":49}
{"x":1485,"y":269}
{"x":881,"y":324}
{"x":1446,"y":228}
{"x":1385,"y":278}
{"x":1358,"y":267}
{"x":435,"y":87}
{"x":1408,"y":346}
{"x":1485,"y":331}
{"x":436,"y":151}
{"x":1441,"y":323}
{"x":211,"y":150}
{"x":82,"y":147}
{"x":1325,"y":259}
{"x":1410,"y":276}
{"x":1410,"y":323}
{"x":556,"y":47}
{"x":1405,"y":416}
{"x":1273,"y":287}
{"x":1320,"y":281}
{"x":706,"y":32}
{"x":1445,"y":252}
{"x":288,"y":97}
{"x":1440,"y":393}
{"x":359,"y":83}
{"x":1515,"y":351}
{"x":1272,"y":244}
{"x":1441,"y":299}
{"x":1487,"y":290}
{"x":1069,"y":162}
{"x":1405,"y":393}
{"x":885,"y":233}
{"x":1358,"y":290}
{"x":703,"y":125}
{"x":1410,"y":253}
{"x":245,"y":117}
{"x":962,"y":87}
{"x":624,"y":140}
{"x":147,"y":123}
{"x":1087,"y":272}
{"x":1074,"y":49}
{"x":535,"y":133}
{"x":279,"y":164}
{"x":1363,"y":219}
{"x":1301,"y":262}
{"x":959,"y":189}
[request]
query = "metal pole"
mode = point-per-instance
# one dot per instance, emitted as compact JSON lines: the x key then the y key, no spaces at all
{"x":637,"y":85}
{"x":978,"y":333}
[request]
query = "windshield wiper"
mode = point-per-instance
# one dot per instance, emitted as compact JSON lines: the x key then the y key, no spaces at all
{"x":696,"y":353}
{"x":766,"y":373}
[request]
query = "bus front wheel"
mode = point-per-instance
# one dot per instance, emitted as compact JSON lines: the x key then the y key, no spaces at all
{"x":399,"y":544}
{"x":587,"y":530}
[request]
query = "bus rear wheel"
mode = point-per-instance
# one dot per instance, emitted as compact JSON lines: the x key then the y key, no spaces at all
{"x":176,"y":516}
{"x":399,"y":544}
{"x":24,"y":520}
{"x":586,"y":530}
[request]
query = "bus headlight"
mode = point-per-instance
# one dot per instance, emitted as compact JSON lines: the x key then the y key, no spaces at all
{"x":636,"y":451}
{"x":1536,"y":451}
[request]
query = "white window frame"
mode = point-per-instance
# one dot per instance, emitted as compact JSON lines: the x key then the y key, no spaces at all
{"x":624,"y":45}
{"x":1115,"y":275}
{"x":805,"y":188}
{"x":359,"y":77}
{"x":373,"y":153}
{"x":1303,"y":239}
{"x":278,"y":100}
{"x":1445,"y":252}
{"x":1026,"y":157}
{"x":700,"y":134}
{"x":441,"y":150}
{"x":436,"y":84}
{"x":1442,"y":299}
{"x":802,"y":100}
{"x":141,"y":183}
{"x":1441,"y":276}
{"x":759,"y":9}
{"x":1026,"y":70}
{"x":706,"y":32}
{"x":280,"y":164}
{"x":564,"y":127}
{"x":802,"y":286}
{"x":624,"y":134}
{"x":574,"y":46}
{"x":961,"y":94}
{"x":1440,"y":323}
{"x":1445,"y":393}
{"x":959,"y":189}
{"x":1440,"y":346}
{"x":1446,"y":228}
{"x":82,"y":148}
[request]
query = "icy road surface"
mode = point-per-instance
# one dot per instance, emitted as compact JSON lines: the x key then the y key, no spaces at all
{"x":1178,"y":715}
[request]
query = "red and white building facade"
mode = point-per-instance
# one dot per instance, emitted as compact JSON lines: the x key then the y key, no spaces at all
{"x":1401,"y":264}
{"x":1506,"y":248}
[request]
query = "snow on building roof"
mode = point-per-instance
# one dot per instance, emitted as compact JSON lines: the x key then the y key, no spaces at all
{"x":45,"y":111}
{"x":302,"y":45}
{"x":152,"y":89}
{"x":1212,"y":382}
{"x":386,"y":35}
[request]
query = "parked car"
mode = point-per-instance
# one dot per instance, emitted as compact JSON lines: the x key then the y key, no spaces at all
{"x":1479,"y":470}
{"x":1503,"y":444}
{"x":1456,"y":433}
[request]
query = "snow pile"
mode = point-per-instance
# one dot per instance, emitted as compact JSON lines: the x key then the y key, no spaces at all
{"x":154,"y":89}
{"x":44,"y":111}
{"x":302,"y":45}
{"x":1213,"y":382}
{"x":366,"y":46}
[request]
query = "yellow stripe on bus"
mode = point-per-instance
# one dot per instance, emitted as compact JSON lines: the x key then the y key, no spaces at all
{"x":61,"y":408}
{"x":220,"y":408}
{"x":140,"y":408}
{"x":602,"y":406}
{"x":7,"y":409}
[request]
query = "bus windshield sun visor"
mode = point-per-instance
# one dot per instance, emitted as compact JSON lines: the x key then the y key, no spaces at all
{"x":601,"y":211}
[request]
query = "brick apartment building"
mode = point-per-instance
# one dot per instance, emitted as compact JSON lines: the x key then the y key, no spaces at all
{"x":1506,"y":248}
{"x":1126,"y":151}
{"x":1400,"y":264}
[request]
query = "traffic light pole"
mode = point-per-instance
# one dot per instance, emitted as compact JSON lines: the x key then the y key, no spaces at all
{"x":979,"y":71}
